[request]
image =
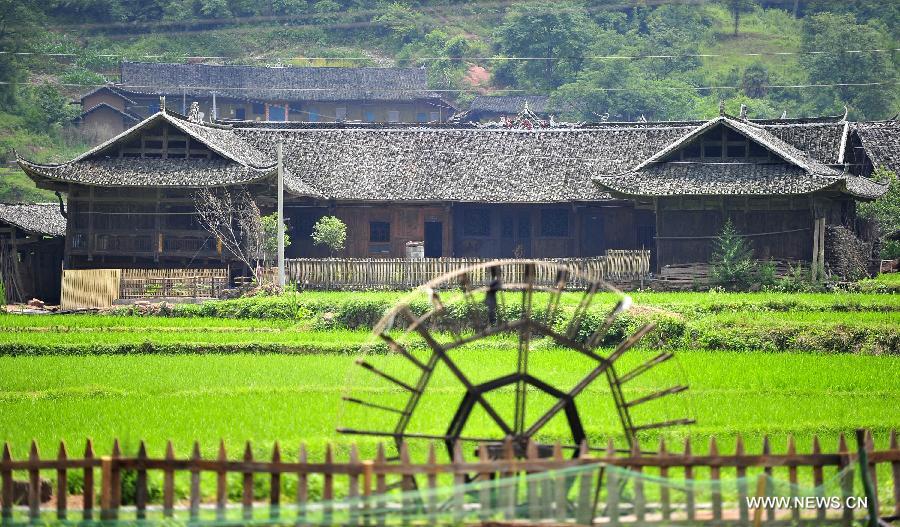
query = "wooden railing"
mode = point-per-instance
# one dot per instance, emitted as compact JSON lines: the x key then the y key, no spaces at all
{"x":371,"y":495}
{"x":403,"y":273}
{"x":172,"y":283}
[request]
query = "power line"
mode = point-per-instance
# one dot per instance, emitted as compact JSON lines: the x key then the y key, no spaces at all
{"x":454,"y":59}
{"x":222,"y":90}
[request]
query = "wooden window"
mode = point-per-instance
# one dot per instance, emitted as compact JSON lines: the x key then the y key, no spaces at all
{"x":379,"y":231}
{"x":369,"y":116}
{"x":340,"y":114}
{"x":757,"y":150}
{"x":393,"y":116}
{"x":554,"y":222}
{"x":477,"y":222}
{"x":421,"y":117}
{"x":506,"y":227}
{"x":259,"y":108}
{"x":434,"y":116}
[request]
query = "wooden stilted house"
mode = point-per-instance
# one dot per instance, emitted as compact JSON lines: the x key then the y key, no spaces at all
{"x":31,"y":250}
{"x":523,"y":188}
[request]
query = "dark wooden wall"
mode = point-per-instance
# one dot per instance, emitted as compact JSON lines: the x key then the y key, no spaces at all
{"x":406,"y":223}
{"x":591,"y":230}
{"x":686,"y":227}
{"x":38,"y":265}
{"x":122,"y":227}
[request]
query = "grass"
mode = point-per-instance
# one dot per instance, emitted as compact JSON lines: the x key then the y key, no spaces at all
{"x":264,"y":398}
{"x":79,"y":386}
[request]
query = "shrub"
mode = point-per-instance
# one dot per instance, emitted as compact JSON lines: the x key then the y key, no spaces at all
{"x":331,"y":232}
{"x":732,"y":259}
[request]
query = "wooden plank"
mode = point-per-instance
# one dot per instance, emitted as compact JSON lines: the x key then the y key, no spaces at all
{"x":88,"y":503}
{"x":275,"y":485}
{"x":484,"y":493}
{"x":302,"y":485}
{"x":91,"y":288}
{"x":247,"y":485}
{"x":195,"y":484}
{"x":766,"y":450}
{"x":62,"y":483}
{"x":741,"y":473}
{"x":792,"y":478}
{"x":221,"y":482}
{"x":895,"y":472}
{"x":6,"y":479}
{"x":715,"y":485}
{"x":612,"y":487}
{"x":664,"y":495}
{"x":169,"y":483}
{"x":689,"y":501}
{"x":141,"y":483}
{"x":846,"y":470}
{"x":818,"y":478}
{"x":328,"y":487}
{"x":353,"y":487}
{"x":34,"y":484}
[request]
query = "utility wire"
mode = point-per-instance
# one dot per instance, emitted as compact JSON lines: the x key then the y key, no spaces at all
{"x":477,"y":58}
{"x":222,"y":90}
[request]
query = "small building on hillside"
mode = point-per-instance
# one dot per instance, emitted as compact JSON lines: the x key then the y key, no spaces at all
{"x":253,"y":93}
{"x":31,"y":251}
{"x":526,"y":189}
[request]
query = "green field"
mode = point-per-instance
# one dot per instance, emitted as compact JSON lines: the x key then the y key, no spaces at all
{"x":275,"y":369}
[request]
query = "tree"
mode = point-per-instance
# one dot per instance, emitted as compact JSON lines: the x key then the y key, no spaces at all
{"x":833,"y":34}
{"x":732,"y":259}
{"x":331,"y":232}
{"x":558,"y":32}
{"x":736,"y":8}
{"x":232,"y":217}
{"x":885,"y":211}
{"x":754,"y":80}
{"x":270,"y":236}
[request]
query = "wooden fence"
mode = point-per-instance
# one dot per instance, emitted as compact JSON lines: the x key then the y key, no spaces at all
{"x":370,"y":499}
{"x":89,"y":288}
{"x":100,"y":288}
{"x":403,"y":273}
{"x":172,"y":283}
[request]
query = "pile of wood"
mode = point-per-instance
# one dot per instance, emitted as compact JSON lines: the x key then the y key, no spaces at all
{"x":687,"y":275}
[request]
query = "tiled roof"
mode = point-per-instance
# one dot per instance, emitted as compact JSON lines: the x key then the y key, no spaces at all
{"x":489,"y":165}
{"x":470,"y":163}
{"x":130,"y":116}
{"x":38,"y":218}
{"x":881,"y":141}
{"x":282,"y":83}
{"x":721,"y":179}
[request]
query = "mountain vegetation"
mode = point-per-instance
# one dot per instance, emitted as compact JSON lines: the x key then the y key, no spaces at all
{"x":598,"y":59}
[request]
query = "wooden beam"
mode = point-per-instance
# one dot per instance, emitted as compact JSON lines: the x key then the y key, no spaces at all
{"x":814,"y":266}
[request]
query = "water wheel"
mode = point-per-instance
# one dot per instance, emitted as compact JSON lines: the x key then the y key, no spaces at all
{"x":517,"y":304}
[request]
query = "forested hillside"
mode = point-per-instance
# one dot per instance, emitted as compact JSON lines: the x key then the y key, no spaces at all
{"x":612,"y":59}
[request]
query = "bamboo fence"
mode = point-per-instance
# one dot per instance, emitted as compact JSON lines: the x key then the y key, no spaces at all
{"x":172,"y":283}
{"x":405,"y":273}
{"x":369,"y":495}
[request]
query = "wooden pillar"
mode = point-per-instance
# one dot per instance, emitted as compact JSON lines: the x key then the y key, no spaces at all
{"x":156,"y":227}
{"x":656,"y":238}
{"x":821,"y":258}
{"x":814,"y":265}
{"x":90,"y":238}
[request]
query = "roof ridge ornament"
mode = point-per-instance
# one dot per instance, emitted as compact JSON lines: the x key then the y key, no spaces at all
{"x":743,"y":114}
{"x":162,"y":103}
{"x":194,"y":114}
{"x":846,"y":113}
{"x":784,"y":114}
{"x":721,"y":107}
